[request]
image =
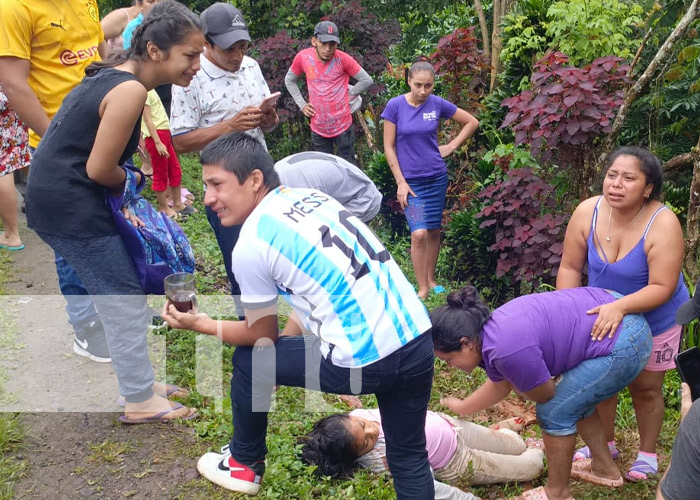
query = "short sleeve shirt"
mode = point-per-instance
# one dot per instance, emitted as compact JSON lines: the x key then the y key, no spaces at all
{"x":535,"y":337}
{"x":416,"y":134}
{"x":336,"y":274}
{"x":328,"y":89}
{"x":215,"y":95}
{"x":59,"y":39}
{"x":158,"y":115}
{"x":334,"y":176}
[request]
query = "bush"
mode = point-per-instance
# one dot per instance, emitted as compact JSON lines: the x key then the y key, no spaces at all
{"x":521,"y":209}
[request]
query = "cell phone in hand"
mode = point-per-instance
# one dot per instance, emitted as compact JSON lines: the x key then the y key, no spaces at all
{"x":688,"y":366}
{"x":270,"y":101}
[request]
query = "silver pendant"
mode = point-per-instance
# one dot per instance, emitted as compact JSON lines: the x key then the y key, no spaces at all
{"x":607,"y":238}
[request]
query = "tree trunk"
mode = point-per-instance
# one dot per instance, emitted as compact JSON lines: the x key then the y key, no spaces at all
{"x":678,"y":162}
{"x":692,"y":229}
{"x":640,"y":86}
{"x":500,"y":9}
{"x":484,"y":29}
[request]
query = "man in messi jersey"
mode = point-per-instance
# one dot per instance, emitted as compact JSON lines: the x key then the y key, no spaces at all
{"x":367,"y":327}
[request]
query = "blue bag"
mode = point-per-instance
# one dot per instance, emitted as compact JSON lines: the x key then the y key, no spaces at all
{"x":160,"y":247}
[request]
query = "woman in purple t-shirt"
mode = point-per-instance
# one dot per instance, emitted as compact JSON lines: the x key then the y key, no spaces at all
{"x":411,"y":123}
{"x":541,"y":347}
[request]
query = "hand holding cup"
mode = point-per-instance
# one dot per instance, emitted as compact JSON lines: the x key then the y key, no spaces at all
{"x":181,"y":291}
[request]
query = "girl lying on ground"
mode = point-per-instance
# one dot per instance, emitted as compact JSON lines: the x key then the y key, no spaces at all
{"x":456,"y":450}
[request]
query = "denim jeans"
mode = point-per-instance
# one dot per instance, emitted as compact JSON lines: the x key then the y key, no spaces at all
{"x":79,"y":306}
{"x":401,"y":382}
{"x":344,"y":143}
{"x":595,"y":380}
{"x":227,"y":237}
{"x":108,"y":272}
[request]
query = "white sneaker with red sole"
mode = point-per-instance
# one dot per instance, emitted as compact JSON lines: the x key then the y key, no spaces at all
{"x":224,"y":470}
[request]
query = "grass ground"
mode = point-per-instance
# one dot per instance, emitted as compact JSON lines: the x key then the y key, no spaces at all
{"x":286,"y":477}
{"x":12,"y":432}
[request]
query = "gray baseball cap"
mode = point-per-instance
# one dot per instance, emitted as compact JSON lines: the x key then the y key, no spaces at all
{"x":224,"y":25}
{"x":691,"y":309}
{"x":327,"y":31}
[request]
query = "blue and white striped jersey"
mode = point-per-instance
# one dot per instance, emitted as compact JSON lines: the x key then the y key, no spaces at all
{"x":338,"y":277}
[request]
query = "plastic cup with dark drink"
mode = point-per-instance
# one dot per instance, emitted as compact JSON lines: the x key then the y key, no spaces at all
{"x":181,"y":291}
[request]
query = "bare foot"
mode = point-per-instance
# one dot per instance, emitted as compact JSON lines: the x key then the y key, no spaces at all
{"x":169,"y":390}
{"x":10,"y":241}
{"x":168,"y":211}
{"x":179,"y":208}
{"x":612,"y":473}
{"x":352,"y":401}
{"x":516,"y":424}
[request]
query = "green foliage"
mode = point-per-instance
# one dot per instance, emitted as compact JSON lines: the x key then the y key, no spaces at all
{"x":12,"y":436}
{"x":377,"y":169}
{"x":107,"y":6}
{"x":517,"y":157}
{"x":423,"y":25}
{"x":587,"y":29}
{"x":525,"y":40}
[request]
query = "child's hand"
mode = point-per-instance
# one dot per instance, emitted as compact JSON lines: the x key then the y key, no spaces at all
{"x":162,"y":150}
{"x":454,"y":404}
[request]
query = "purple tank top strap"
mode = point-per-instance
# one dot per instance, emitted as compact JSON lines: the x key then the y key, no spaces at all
{"x":646,"y":230}
{"x":593,"y":240}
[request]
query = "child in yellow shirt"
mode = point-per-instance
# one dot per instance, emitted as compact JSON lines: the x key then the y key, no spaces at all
{"x":167,"y":173}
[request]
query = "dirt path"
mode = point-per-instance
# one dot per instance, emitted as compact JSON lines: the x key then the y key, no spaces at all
{"x":76,"y":447}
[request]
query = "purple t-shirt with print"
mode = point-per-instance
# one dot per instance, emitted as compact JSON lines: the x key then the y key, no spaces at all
{"x":536,"y":337}
{"x":416,"y":134}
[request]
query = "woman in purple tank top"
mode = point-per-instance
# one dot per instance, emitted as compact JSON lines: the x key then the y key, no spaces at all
{"x":631,"y":244}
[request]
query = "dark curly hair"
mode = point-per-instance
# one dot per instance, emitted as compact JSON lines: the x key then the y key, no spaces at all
{"x":330,"y":447}
{"x":462,"y":317}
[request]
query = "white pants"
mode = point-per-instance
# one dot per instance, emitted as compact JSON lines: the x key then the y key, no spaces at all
{"x":487,"y":456}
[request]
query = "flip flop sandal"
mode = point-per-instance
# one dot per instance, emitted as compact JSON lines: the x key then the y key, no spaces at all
{"x":583,"y":471}
{"x":188,"y":210}
{"x":585,"y":452}
{"x":640,"y":471}
{"x":11,"y":248}
{"x":535,"y":494}
{"x":439,"y":289}
{"x":159,"y":417}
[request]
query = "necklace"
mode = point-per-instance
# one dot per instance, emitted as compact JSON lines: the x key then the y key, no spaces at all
{"x":610,"y":236}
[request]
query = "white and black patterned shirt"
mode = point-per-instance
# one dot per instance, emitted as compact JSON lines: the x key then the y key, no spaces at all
{"x":216,"y":95}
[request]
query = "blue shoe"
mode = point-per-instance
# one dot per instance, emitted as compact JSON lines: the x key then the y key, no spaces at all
{"x":437,"y":290}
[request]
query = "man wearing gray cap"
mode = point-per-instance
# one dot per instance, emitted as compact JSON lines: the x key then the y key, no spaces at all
{"x":328,"y":73}
{"x":223,"y":97}
{"x":226,"y":93}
